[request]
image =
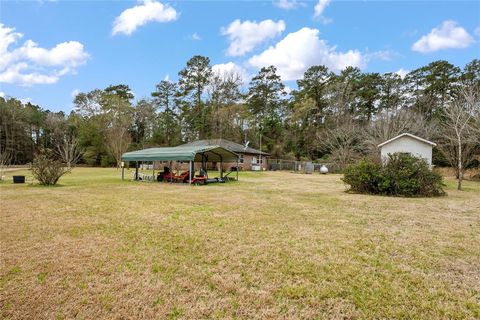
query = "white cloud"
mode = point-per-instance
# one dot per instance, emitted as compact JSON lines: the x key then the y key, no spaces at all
{"x":14,"y":75}
{"x":67,"y":54}
{"x":245,"y":36}
{"x":2,"y":94}
{"x":447,"y":36}
{"x":195,"y":36}
{"x":30,"y":64}
{"x":402,"y":72}
{"x":130,"y":19}
{"x":8,"y":36}
{"x":385,"y":55}
{"x":320,"y":7}
{"x":229,"y":67}
{"x":166,"y":78}
{"x":299,"y":50}
{"x":287,"y":4}
{"x":75,"y":92}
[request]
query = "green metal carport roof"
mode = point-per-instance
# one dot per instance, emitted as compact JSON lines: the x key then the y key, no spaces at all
{"x":188,"y":153}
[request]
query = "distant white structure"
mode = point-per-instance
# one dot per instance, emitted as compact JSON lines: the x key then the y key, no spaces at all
{"x":323,"y":169}
{"x":408,"y":143}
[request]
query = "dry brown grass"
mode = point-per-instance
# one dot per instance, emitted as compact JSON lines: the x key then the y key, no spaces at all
{"x":450,"y":172}
{"x":274,"y":245}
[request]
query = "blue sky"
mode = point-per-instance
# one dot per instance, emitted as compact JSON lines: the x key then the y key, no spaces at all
{"x":50,"y":49}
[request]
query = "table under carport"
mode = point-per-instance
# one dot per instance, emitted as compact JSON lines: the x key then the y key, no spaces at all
{"x":190,"y":154}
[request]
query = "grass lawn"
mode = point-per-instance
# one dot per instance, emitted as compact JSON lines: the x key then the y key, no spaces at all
{"x":274,"y":245}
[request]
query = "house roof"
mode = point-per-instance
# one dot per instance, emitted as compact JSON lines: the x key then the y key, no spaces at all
{"x":227,"y":144}
{"x":408,"y":135}
{"x":182,"y":153}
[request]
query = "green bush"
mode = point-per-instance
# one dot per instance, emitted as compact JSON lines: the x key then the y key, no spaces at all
{"x":402,"y":175}
{"x":363,"y":177}
{"x":46,"y":169}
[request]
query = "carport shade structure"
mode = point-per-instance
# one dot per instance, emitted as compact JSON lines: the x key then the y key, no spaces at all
{"x":187,"y":153}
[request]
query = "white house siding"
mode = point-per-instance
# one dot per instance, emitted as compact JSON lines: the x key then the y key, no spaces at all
{"x":409,"y":145}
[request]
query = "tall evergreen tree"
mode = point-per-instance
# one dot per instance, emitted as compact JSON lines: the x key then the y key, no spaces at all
{"x":367,"y":95}
{"x":313,"y":86}
{"x":433,"y":86}
{"x":193,"y":80}
{"x":223,"y":93}
{"x":266,"y":105}
{"x":167,"y":126}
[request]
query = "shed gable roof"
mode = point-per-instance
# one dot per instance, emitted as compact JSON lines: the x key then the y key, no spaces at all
{"x":227,"y":144}
{"x":408,"y":135}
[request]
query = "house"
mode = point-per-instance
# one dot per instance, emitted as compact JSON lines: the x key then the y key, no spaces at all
{"x":249,"y":158}
{"x":408,"y":143}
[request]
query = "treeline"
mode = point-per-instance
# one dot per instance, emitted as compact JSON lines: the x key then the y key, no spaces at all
{"x":335,"y":117}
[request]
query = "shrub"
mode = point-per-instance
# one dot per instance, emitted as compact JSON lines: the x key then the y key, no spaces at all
{"x":47,"y":170}
{"x":402,"y":175}
{"x":363,"y":177}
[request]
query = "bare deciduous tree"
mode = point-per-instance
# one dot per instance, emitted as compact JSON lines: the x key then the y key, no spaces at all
{"x":387,"y":125}
{"x":460,"y":131}
{"x":68,"y":150}
{"x":63,"y":140}
{"x":344,"y":143}
{"x":5,"y":160}
{"x":117,"y":140}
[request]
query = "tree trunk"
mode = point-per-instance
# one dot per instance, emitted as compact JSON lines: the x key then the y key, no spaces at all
{"x":460,"y":168}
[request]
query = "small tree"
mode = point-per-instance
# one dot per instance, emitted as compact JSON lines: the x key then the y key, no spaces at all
{"x":117,"y":140}
{"x":119,"y":117}
{"x":344,"y":143}
{"x":46,"y":169}
{"x":5,"y":160}
{"x":68,"y":150}
{"x":63,"y":140}
{"x":460,"y":130}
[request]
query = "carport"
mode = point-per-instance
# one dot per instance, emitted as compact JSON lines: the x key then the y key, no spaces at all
{"x":191,"y":154}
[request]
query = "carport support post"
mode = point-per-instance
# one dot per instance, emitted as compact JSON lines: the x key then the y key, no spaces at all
{"x":136,"y":170}
{"x":190,"y":172}
{"x":221,"y":167}
{"x":237,"y":168}
{"x":123,"y":172}
{"x":153,"y":174}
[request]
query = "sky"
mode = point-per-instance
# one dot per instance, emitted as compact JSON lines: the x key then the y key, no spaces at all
{"x":51,"y":50}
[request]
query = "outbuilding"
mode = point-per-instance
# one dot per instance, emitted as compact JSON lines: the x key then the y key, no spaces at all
{"x":408,"y":143}
{"x":183,"y":154}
